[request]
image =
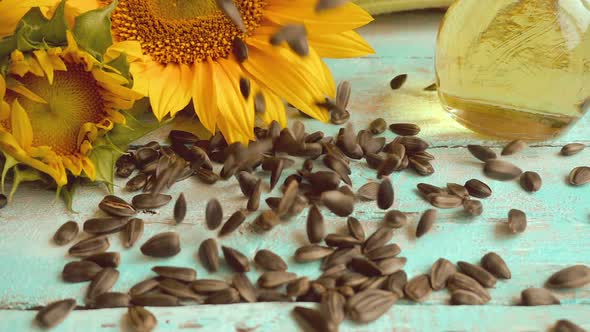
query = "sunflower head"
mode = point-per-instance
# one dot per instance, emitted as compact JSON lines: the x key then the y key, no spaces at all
{"x":60,"y":95}
{"x":208,"y":50}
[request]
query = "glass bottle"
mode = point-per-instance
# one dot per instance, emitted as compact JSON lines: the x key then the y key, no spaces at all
{"x":515,"y":68}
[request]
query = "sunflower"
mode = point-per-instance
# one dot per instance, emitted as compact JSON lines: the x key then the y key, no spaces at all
{"x":224,"y":61}
{"x":55,"y":102}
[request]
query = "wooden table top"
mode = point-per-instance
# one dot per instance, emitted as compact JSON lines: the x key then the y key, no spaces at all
{"x":558,"y":233}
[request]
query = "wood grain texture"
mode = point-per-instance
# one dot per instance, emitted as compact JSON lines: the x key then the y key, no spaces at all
{"x":557,"y":235}
{"x":272,"y":317}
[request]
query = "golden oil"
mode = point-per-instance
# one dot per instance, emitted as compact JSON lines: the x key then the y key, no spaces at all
{"x":515,"y":68}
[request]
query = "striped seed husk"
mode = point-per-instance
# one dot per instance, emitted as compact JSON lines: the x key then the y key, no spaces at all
{"x":494,"y":264}
{"x":269,"y":261}
{"x":368,"y":191}
{"x":537,"y":296}
{"x":274,"y":279}
{"x":484,"y":277}
{"x":377,"y":126}
{"x":478,"y":189}
{"x":184,"y":274}
{"x":370,"y":304}
{"x":465,"y":297}
{"x":243,"y":285}
{"x":66,"y":233}
{"x":355,"y":228}
{"x":141,"y":319}
{"x":418,"y":288}
{"x":338,"y":203}
{"x":440,"y":273}
{"x":405,"y":129}
{"x":315,"y":225}
{"x":178,"y":289}
{"x":105,"y":259}
{"x":162,"y":245}
{"x":514,"y":147}
{"x":298,"y":287}
{"x":143,"y":287}
{"x":517,"y":221}
{"x":332,"y":306}
{"x":90,"y":246}
{"x":80,"y":271}
{"x":572,"y":149}
{"x":207,"y":286}
{"x":311,"y":320}
{"x":463,"y":281}
{"x":226,"y":296}
{"x":385,"y":195}
{"x":234,"y":221}
{"x":531,"y":181}
{"x":458,"y":190}
{"x":311,"y":253}
{"x":116,"y":206}
{"x":473,"y":207}
{"x":378,"y":239}
{"x":112,"y":300}
{"x":102,"y":282}
{"x":395,"y":219}
{"x":235,"y":259}
{"x":387,"y":251}
{"x":426,"y":222}
{"x":564,"y":325}
{"x":579,"y":176}
{"x":209,"y":255}
{"x":445,"y":201}
{"x":54,"y":313}
{"x":482,"y":153}
{"x":396,"y":283}
{"x":180,"y":208}
{"x":133,"y":232}
{"x":501,"y":170}
{"x":213,"y":214}
{"x":575,"y":276}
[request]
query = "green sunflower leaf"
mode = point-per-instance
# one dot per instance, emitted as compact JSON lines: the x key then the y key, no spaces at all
{"x":92,"y":30}
{"x":9,"y":163}
{"x":121,"y":64}
{"x":104,"y":157}
{"x":67,"y":193}
{"x":38,"y":30}
{"x":24,"y":174}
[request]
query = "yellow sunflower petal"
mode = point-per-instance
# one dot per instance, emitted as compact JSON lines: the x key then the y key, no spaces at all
{"x":184,"y":89}
{"x":131,"y":48}
{"x":89,"y":168}
{"x":204,"y":98}
{"x":21,"y":125}
{"x":343,"y":18}
{"x":236,"y":112}
{"x":275,"y":109}
{"x":45,"y":63}
{"x":290,"y":76}
{"x":4,"y":107}
{"x":165,"y":91}
{"x":106,"y":77}
{"x":72,"y":164}
{"x":348,"y":44}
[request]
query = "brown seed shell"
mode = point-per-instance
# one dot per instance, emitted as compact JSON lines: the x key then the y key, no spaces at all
{"x":226,"y":296}
{"x":209,"y":255}
{"x":66,"y":233}
{"x":517,"y":221}
{"x":184,"y":274}
{"x":178,"y":289}
{"x":465,"y":297}
{"x":213,"y":214}
{"x":206,"y":286}
{"x":107,"y":225}
{"x":332,"y":306}
{"x":572,"y":149}
{"x":370,"y":304}
{"x":102,"y":282}
{"x":445,"y":201}
{"x":273,"y":279}
{"x":340,"y":204}
{"x":378,"y":239}
{"x":235,"y":259}
{"x":538,"y":296}
{"x":514,"y":147}
{"x":312,"y":252}
{"x":267,"y":220}
{"x":244,"y":287}
{"x":395,"y":219}
{"x":398,"y":81}
{"x":579,"y":176}
{"x":385,"y":195}
{"x":458,"y":190}
{"x":473,"y":207}
{"x":387,"y":251}
{"x":141,"y":319}
{"x":269,"y":261}
{"x":116,"y":206}
{"x":377,"y":126}
{"x":478,"y":189}
{"x":482,"y":153}
{"x":311,"y":320}
{"x":180,"y":209}
{"x":105,"y":259}
{"x":112,"y":300}
{"x":564,"y":325}
{"x":234,"y":221}
{"x":143,"y":287}
{"x":440,"y":273}
{"x":426,"y":222}
{"x":465,"y":282}
{"x":418,"y":288}
{"x":355,"y":228}
{"x":315,"y":225}
{"x":150,"y":201}
{"x":133,"y":232}
{"x":298,"y":287}
{"x":501,"y":170}
{"x":54,"y":313}
{"x":531,"y":181}
{"x":368,"y":191}
{"x":155,"y":300}
{"x":405,"y":129}
{"x":396,"y":282}
{"x":90,"y":246}
{"x":485,"y":278}
{"x":80,"y":271}
{"x":575,"y":276}
{"x":496,"y":265}
{"x":162,"y":245}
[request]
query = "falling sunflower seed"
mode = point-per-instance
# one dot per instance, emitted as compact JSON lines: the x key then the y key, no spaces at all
{"x":398,"y":81}
{"x":426,"y":222}
{"x":231,"y":11}
{"x":213,"y":214}
{"x":235,"y":259}
{"x":501,"y":170}
{"x":54,"y":313}
{"x":478,"y":189}
{"x":517,"y":221}
{"x":234,"y":221}
{"x":514,"y":147}
{"x":89,"y":246}
{"x":385,"y":195}
{"x":572,"y":149}
{"x":531,"y":181}
{"x":482,"y":153}
{"x":315,"y":225}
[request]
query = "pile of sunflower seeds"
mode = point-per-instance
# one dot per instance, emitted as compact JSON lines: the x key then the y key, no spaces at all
{"x":362,"y":274}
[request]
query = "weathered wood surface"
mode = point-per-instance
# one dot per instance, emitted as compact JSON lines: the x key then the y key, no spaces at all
{"x":557,"y":236}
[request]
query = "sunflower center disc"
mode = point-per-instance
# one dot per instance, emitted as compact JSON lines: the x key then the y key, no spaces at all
{"x":182,"y":31}
{"x":73,"y":100}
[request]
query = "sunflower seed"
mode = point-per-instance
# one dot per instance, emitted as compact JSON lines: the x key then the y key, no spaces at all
{"x":341,"y":169}
{"x":514,"y":147}
{"x":155,"y":300}
{"x":270,"y":261}
{"x":146,"y":155}
{"x":423,"y":156}
{"x":240,"y":50}
{"x":426,"y":222}
{"x":178,"y":289}
{"x":112,"y":300}
{"x":378,"y":239}
{"x":465,"y":297}
{"x":209,"y":255}
{"x":296,"y":37}
{"x":395,"y":219}
{"x":271,"y":295}
{"x":207,"y":286}
{"x":390,"y":164}
{"x":494,"y":264}
{"x":234,"y":221}
{"x":431,"y":87}
{"x":235,"y":259}
{"x":572,"y":149}
{"x":141,"y":319}
{"x":66,"y":233}
{"x":418,"y":288}
{"x":385,"y":195}
{"x":485,"y":278}
{"x":428,"y":189}
{"x":537,"y":296}
{"x":343,"y":91}
{"x":150,"y":201}
{"x":368,"y":191}
{"x":564,"y":325}
{"x":370,"y":304}
{"x":54,"y":313}
{"x":104,"y":225}
{"x":422,"y":167}
{"x":334,"y":272}
{"x":396,"y":282}
{"x":341,"y":240}
{"x":226,"y":296}
{"x":462,"y":281}
{"x":324,"y":181}
{"x":267,"y":220}
{"x":374,"y":161}
{"x":365,"y":267}
{"x":206,"y":175}
{"x":387,"y":251}
{"x":575,"y":276}
{"x":116,"y":206}
{"x":254,"y":200}
{"x":338,"y":203}
{"x":315,"y":225}
{"x":355,"y":228}
{"x":230,"y":10}
{"x":377,"y":126}
{"x":178,"y":273}
{"x":133,"y":231}
{"x":244,"y":287}
{"x":482,"y":153}
{"x":412,"y":144}
{"x":332,"y":306}
{"x":311,"y":320}
{"x":473,"y":207}
{"x":288,"y":199}
{"x":516,"y":221}
{"x":213,"y":214}
{"x":391,"y":265}
{"x":105,"y":259}
{"x":273,"y":279}
{"x":323,"y":5}
{"x":165,"y":244}
{"x":531,"y":181}
{"x":501,"y":170}
{"x":312,"y":252}
{"x":398,"y":81}
{"x":180,"y":209}
{"x":80,"y":271}
{"x":457,"y":190}
{"x":440,"y":273}
{"x":298,"y":287}
{"x":125,"y":165}
{"x":137,"y":182}
{"x":143,"y":287}
{"x":102,"y":282}
{"x":89,"y":246}
{"x":478,"y":189}
{"x":244,"y":82}
{"x":405,"y":129}
{"x":579,"y":176}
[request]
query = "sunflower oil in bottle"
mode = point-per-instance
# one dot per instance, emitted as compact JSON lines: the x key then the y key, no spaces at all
{"x":515,"y":68}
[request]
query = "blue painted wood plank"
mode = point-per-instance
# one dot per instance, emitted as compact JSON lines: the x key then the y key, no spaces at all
{"x":272,"y":317}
